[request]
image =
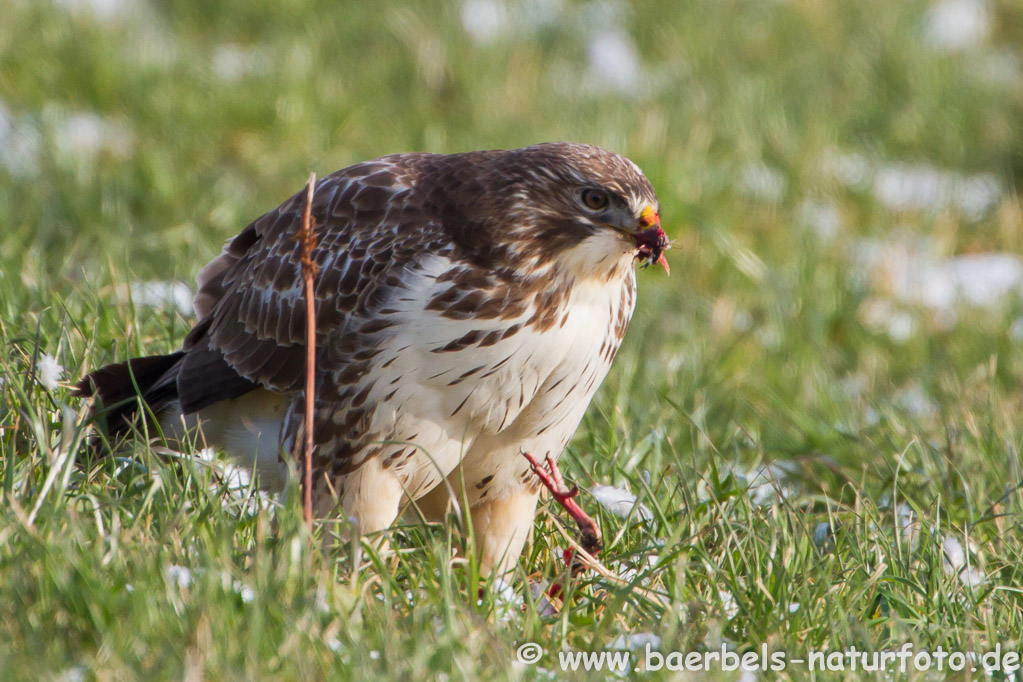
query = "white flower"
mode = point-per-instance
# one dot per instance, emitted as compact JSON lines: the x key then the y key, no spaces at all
{"x":904,"y":187}
{"x":206,"y":455}
{"x":915,"y":400}
{"x":20,"y":142}
{"x":506,"y":602}
{"x":955,"y":557}
{"x":484,"y":20}
{"x":179,"y":575}
{"x":155,"y":294}
{"x":614,"y":61}
{"x":728,"y":603}
{"x":914,"y":275}
{"x":955,"y":563}
{"x":766,"y":483}
{"x":73,"y":674}
{"x":971,"y":577}
{"x":762,"y":183}
{"x":908,"y":526}
{"x":83,"y":135}
{"x":882,"y":316}
{"x":953,"y":25}
{"x":849,"y":168}
{"x":638,"y":640}
{"x":923,"y":187}
{"x":620,"y":502}
{"x":50,"y":372}
{"x":237,"y":479}
{"x":1016,"y":330}
{"x":824,"y":218}
{"x":232,"y":62}
{"x":244,"y":591}
{"x":103,"y":10}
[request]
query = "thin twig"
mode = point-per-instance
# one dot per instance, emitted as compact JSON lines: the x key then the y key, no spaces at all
{"x":594,"y":563}
{"x":308,"y":237}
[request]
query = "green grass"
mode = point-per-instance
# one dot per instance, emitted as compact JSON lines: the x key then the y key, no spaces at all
{"x":757,"y":350}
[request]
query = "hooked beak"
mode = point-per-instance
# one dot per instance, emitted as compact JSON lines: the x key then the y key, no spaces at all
{"x":652,"y":241}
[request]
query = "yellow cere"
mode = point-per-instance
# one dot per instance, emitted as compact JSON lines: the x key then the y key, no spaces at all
{"x":649,"y":216}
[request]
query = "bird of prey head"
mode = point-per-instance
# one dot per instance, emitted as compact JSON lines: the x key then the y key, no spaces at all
{"x":576,"y":204}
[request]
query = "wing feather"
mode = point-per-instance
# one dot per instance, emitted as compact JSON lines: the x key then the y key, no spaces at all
{"x":251,"y":300}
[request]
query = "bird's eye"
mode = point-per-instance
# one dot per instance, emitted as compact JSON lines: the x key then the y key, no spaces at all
{"x":594,"y":199}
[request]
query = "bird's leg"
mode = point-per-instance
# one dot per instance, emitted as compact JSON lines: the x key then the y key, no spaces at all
{"x":589,"y":532}
{"x":502,"y":527}
{"x":370,"y":497}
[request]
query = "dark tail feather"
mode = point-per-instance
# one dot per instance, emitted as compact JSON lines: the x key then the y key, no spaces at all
{"x":117,"y":388}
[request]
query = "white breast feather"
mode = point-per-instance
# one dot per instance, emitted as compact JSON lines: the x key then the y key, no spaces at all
{"x":533,"y":381}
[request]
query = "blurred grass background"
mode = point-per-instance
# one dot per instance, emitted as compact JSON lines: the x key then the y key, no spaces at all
{"x":840,"y":180}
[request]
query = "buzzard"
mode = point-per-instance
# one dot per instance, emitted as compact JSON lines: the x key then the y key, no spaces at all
{"x":467,"y":308}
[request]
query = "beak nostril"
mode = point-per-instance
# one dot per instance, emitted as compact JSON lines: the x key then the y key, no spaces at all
{"x":649,"y":217}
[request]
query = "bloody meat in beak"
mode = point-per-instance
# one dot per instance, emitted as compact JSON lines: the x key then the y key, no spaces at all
{"x":651,"y":242}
